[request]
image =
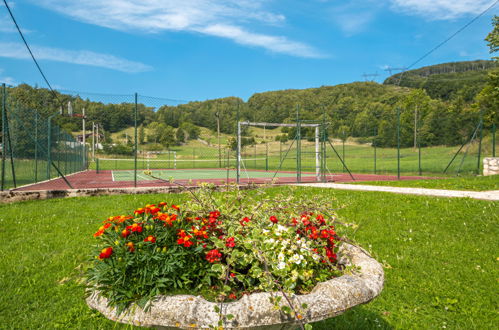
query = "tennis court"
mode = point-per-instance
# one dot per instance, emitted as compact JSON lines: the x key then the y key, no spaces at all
{"x":188,"y":174}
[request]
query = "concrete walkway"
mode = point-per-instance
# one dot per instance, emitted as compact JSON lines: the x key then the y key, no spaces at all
{"x":485,"y":195}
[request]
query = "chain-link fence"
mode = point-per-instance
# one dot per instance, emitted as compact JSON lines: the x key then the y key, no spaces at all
{"x":33,"y":147}
{"x":135,"y":140}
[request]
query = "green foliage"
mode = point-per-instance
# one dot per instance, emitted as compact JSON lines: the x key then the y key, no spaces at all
{"x":142,"y":134}
{"x":446,"y":81}
{"x":180,"y":135}
{"x":118,"y":149}
{"x":493,"y":36}
{"x":233,"y":244}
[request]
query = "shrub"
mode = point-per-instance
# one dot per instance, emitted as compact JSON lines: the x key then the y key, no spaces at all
{"x":220,"y":246}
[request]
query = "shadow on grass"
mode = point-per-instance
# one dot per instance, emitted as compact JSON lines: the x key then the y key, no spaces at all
{"x":356,"y":318}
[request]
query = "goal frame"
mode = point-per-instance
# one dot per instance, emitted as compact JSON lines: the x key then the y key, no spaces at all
{"x":297,"y":125}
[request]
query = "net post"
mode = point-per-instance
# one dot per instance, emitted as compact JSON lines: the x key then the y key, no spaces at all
{"x":4,"y":149}
{"x":135,"y":142}
{"x":398,"y":143}
{"x":97,"y":165}
{"x":174,"y":160}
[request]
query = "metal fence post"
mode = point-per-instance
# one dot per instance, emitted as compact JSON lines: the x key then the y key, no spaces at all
{"x":374,"y":145}
{"x":136,"y":145}
{"x":298,"y":145}
{"x":398,"y":143}
{"x":480,"y":144}
{"x":36,"y":146}
{"x":493,"y":140}
{"x":238,"y":142}
{"x":49,"y":145}
{"x":4,"y":148}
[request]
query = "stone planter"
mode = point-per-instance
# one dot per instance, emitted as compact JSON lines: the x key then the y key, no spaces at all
{"x":255,"y":311}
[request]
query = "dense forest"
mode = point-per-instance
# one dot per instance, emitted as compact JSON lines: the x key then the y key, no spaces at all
{"x":447,"y":81}
{"x":442,"y":104}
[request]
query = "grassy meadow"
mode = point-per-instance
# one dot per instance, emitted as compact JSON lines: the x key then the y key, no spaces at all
{"x":440,"y":258}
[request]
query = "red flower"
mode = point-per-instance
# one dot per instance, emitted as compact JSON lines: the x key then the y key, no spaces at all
{"x":294,"y":222}
{"x":244,"y":221}
{"x":232,"y":275}
{"x":139,"y":211}
{"x":230,"y":242}
{"x":200,"y":233}
{"x":184,"y":239}
{"x":175,"y":207}
{"x":321,"y":220}
{"x":213,"y":256}
{"x":125,"y":233}
{"x":162,"y":204}
{"x":136,"y":227}
{"x":150,"y":238}
{"x":274,"y":219}
{"x":232,"y":296}
{"x":106,"y":253}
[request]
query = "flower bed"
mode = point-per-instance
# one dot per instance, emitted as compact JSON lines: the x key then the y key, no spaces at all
{"x":222,"y":247}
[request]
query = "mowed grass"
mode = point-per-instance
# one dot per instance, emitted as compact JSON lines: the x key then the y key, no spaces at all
{"x":440,"y":257}
{"x":477,"y":183}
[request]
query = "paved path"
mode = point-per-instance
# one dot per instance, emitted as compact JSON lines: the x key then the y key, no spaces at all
{"x":485,"y":195}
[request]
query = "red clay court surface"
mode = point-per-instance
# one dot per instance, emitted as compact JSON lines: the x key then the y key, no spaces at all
{"x":91,"y":180}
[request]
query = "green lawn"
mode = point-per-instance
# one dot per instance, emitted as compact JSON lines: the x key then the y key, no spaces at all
{"x":477,"y":183}
{"x":440,"y":256}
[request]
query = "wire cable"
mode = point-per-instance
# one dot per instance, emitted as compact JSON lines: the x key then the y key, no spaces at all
{"x":446,"y":40}
{"x":30,"y":52}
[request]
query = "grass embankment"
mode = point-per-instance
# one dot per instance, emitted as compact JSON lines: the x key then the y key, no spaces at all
{"x":478,"y":183}
{"x":440,"y":258}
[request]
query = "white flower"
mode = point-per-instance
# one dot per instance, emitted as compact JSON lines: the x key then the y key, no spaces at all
{"x":281,"y":265}
{"x":281,"y":257}
{"x":296,"y":258}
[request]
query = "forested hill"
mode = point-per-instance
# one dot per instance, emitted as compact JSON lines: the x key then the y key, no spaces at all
{"x":447,"y":80}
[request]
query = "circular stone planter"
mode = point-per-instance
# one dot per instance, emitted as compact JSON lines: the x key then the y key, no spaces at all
{"x":255,"y":311}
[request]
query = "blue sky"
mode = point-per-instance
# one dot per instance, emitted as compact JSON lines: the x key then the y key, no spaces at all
{"x":201,"y":49}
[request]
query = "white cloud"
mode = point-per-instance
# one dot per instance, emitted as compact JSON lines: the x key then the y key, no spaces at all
{"x":5,"y":79}
{"x":83,"y":57}
{"x":220,"y":18}
{"x":441,"y":9}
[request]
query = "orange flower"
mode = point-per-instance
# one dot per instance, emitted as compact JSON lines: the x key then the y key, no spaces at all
{"x":150,"y":238}
{"x":130,"y":246}
{"x":175,"y":207}
{"x":125,"y":233}
{"x":102,"y":229}
{"x":136,"y":227}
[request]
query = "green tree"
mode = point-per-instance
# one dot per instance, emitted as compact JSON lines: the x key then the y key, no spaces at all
{"x":180,"y":135}
{"x":142,"y":134}
{"x":493,"y":37}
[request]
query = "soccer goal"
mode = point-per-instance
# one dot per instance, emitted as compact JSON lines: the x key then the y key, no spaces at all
{"x":302,"y":159}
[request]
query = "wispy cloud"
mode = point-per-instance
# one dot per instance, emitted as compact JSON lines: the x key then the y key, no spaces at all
{"x":5,"y":79}
{"x":228,"y":19}
{"x":83,"y":57}
{"x":441,"y":9}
